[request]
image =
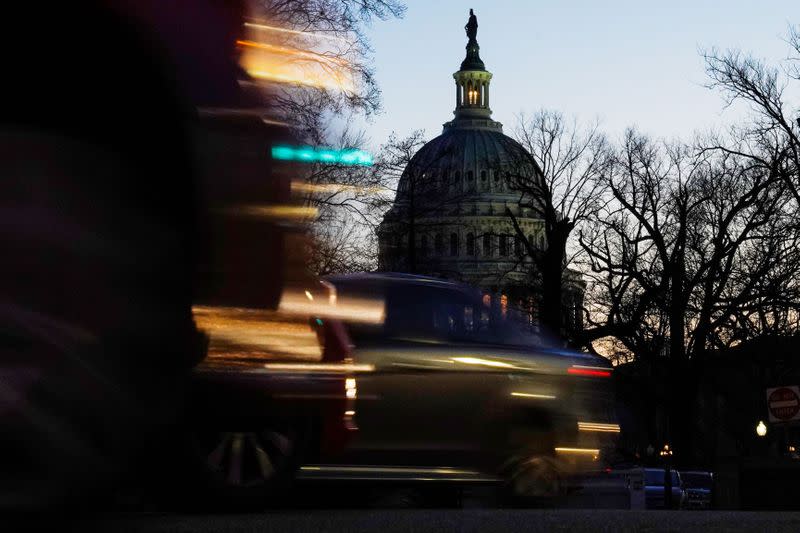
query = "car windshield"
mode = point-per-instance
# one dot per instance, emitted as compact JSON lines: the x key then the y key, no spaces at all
{"x":655,"y":476}
{"x":415,"y":312}
{"x":697,"y":480}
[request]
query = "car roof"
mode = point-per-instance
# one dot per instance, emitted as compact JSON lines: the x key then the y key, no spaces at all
{"x":397,"y":279}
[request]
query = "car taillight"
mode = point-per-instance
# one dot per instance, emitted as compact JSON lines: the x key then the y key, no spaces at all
{"x":595,"y":372}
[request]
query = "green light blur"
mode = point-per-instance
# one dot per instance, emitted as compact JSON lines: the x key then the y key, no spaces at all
{"x":310,"y":154}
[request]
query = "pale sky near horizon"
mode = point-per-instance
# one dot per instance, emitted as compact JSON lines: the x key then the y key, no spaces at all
{"x":626,"y":62}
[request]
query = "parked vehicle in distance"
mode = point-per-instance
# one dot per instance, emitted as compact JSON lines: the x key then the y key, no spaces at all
{"x":699,"y":486}
{"x":463,"y":388}
{"x":654,"y":489}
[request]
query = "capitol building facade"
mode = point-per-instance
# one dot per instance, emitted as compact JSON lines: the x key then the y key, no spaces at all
{"x":450,"y":217}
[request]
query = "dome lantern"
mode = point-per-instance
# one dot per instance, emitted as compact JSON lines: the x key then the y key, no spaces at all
{"x":472,"y":86}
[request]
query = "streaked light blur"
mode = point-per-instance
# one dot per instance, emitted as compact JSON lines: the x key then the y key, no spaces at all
{"x":283,"y":55}
{"x":579,"y":451}
{"x":333,"y":188}
{"x":596,"y":372}
{"x":482,"y":362}
{"x":598,"y":427}
{"x":351,"y":391}
{"x":533,"y":396}
{"x":255,"y":333}
{"x":338,"y":368}
{"x":355,"y":310}
{"x":320,"y":154}
{"x":267,"y":27}
{"x":278,"y":212}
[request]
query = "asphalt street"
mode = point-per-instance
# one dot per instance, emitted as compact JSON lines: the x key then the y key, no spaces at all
{"x":461,"y":520}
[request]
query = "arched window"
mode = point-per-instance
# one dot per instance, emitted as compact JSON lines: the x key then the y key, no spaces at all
{"x":470,"y":244}
{"x":517,"y":245}
{"x":470,"y":175}
{"x":541,"y":242}
{"x":423,"y":246}
{"x":457,"y":176}
{"x":439,"y":244}
{"x":503,"y":245}
{"x":453,"y":244}
{"x":531,"y":240}
{"x":496,"y":177}
{"x":483,"y":175}
{"x":487,"y":245}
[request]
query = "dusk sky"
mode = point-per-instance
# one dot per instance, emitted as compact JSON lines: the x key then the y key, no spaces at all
{"x":625,"y":62}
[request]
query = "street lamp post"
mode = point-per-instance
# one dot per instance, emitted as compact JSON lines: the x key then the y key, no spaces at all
{"x":666,"y":453}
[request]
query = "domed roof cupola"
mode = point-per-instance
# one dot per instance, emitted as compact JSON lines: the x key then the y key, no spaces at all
{"x":472,"y":86}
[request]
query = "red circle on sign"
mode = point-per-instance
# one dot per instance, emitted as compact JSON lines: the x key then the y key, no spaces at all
{"x":783,"y":403}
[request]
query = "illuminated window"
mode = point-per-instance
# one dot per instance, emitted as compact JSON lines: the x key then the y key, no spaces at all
{"x":504,"y":305}
{"x":472,"y":94}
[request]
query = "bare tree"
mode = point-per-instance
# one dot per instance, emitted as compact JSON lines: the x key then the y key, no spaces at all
{"x":344,"y":21}
{"x":774,"y":128}
{"x":695,"y":250}
{"x":564,"y":188}
{"x":327,"y":40}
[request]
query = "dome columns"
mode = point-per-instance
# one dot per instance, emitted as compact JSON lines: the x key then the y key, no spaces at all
{"x":472,"y":94}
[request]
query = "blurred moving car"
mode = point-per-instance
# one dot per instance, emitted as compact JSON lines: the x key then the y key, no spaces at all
{"x":654,"y":489}
{"x":462,"y":389}
{"x":698,"y":486}
{"x":272,"y":391}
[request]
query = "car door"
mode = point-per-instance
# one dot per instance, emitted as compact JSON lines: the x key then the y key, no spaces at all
{"x":421,"y":402}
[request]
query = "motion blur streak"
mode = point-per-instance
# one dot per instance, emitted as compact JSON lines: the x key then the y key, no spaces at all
{"x":585,"y":451}
{"x":371,"y":311}
{"x":255,"y":333}
{"x":266,"y":27}
{"x":333,"y":368}
{"x":333,"y":188}
{"x":320,"y":154}
{"x":351,"y":391}
{"x":450,"y":471}
{"x":535,"y":396}
{"x":598,"y":427}
{"x":288,"y":51}
{"x":274,"y":211}
{"x":301,"y":79}
{"x":483,"y":362}
{"x":588,"y":372}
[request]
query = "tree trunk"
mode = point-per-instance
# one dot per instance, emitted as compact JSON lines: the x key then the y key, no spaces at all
{"x":552,"y":270}
{"x":680,"y":391}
